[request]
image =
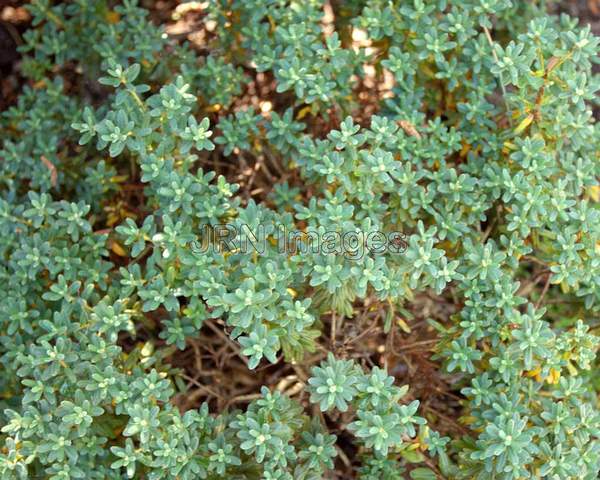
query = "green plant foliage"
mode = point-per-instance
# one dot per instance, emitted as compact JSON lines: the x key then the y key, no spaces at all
{"x":483,"y":153}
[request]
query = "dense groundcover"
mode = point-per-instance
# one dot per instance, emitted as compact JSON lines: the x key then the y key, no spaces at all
{"x":295,"y":240}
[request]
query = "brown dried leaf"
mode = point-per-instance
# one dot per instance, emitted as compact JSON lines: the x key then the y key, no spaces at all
{"x":409,"y":128}
{"x":552,"y":63}
{"x":53,"y":173}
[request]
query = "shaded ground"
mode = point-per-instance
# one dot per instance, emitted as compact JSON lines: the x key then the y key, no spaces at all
{"x":588,"y":11}
{"x":14,"y":20}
